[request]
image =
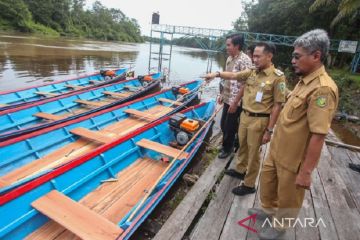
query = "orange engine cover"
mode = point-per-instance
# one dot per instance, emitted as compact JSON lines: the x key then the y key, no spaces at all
{"x":110,"y":73}
{"x":147,"y":78}
{"x":190,"y":125}
{"x":183,"y":90}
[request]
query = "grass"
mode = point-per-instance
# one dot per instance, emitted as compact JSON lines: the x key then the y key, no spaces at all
{"x":346,"y":73}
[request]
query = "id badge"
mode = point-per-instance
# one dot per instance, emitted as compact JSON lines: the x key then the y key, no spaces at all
{"x":258,"y":97}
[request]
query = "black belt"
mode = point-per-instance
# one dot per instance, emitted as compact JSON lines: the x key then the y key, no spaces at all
{"x":251,"y":114}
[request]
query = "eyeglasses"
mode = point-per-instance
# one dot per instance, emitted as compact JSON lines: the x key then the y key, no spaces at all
{"x":297,"y":56}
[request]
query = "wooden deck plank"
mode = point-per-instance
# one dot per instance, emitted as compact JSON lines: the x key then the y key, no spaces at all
{"x":75,"y":217}
{"x":116,"y":94}
{"x":337,"y":196}
{"x":46,"y":94}
{"x":341,"y":159}
{"x":90,"y":103}
{"x":182,"y":217}
{"x":170,"y":101}
{"x":47,"y":116}
{"x":307,"y":211}
{"x":218,"y":209}
{"x":161,"y":148}
{"x":239,"y":209}
{"x":112,"y":200}
{"x":322,"y":209}
{"x":52,"y":230}
{"x":140,"y":114}
{"x":92,"y":135}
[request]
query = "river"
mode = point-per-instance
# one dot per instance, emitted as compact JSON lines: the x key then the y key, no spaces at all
{"x":27,"y":60}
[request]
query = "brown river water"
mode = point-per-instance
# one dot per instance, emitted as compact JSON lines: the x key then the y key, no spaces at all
{"x":27,"y":60}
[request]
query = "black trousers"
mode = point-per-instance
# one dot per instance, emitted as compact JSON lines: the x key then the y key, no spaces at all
{"x":229,"y":126}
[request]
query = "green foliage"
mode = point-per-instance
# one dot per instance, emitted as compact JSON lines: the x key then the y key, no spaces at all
{"x":15,"y":13}
{"x":346,"y":8}
{"x":292,"y":17}
{"x":68,"y":18}
{"x":349,"y":93}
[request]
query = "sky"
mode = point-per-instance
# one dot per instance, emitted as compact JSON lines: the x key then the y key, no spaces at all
{"x":194,"y":13}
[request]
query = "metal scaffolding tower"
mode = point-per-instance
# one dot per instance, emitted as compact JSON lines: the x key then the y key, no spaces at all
{"x":214,"y":34}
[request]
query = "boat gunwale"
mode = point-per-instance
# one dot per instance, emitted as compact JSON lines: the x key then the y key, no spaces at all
{"x":55,"y":82}
{"x":50,"y":99}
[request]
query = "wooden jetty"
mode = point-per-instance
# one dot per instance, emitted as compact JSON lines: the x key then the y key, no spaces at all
{"x":334,"y":197}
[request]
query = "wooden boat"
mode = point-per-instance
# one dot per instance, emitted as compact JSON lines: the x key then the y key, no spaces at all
{"x":38,"y":115}
{"x":25,"y":157}
{"x":27,"y":95}
{"x":102,"y":194}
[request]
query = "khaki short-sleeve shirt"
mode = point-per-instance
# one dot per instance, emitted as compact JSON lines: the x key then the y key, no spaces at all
{"x":268,"y":83}
{"x":309,"y":109}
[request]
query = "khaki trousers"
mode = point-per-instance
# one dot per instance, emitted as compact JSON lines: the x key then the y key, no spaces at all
{"x":251,"y":131}
{"x":278,"y":193}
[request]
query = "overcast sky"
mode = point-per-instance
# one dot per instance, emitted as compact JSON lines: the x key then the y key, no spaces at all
{"x":195,"y":13}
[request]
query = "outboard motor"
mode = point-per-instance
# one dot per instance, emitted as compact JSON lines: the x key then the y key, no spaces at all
{"x":184,"y":128}
{"x":145,"y":80}
{"x":107,"y":74}
{"x":179,"y":91}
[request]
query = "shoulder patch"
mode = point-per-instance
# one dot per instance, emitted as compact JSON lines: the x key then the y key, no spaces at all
{"x":282,"y":87}
{"x":321,"y":101}
{"x":278,"y":72}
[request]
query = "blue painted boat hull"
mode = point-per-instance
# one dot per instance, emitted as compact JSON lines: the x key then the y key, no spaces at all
{"x":17,"y":121}
{"x":20,"y":151}
{"x":23,"y":96}
{"x":85,"y":174}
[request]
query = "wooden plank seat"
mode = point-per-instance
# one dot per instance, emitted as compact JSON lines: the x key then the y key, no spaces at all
{"x":3,"y":183}
{"x":161,"y":148}
{"x":140,"y":114}
{"x":92,"y":135}
{"x":90,"y":103}
{"x":112,"y":200}
{"x":75,"y":217}
{"x":47,"y":94}
{"x":47,"y":116}
{"x":75,"y":87}
{"x":77,"y":148}
{"x":170,"y":101}
{"x":116,"y":94}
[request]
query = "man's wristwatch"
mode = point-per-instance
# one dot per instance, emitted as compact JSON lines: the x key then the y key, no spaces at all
{"x":270,"y":130}
{"x":217,"y":74}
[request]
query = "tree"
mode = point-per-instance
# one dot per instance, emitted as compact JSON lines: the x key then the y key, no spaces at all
{"x":346,"y":8}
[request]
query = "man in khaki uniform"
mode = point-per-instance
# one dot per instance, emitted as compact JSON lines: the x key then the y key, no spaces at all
{"x":299,"y":136}
{"x":263,"y":94}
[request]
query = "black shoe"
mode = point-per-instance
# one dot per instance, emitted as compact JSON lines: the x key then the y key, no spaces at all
{"x":223,"y":154}
{"x":355,"y":167}
{"x":234,"y":173}
{"x":243,"y":190}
